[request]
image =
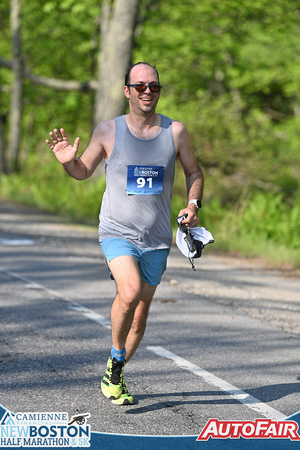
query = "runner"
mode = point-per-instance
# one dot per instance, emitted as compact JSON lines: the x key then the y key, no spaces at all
{"x":139,"y":150}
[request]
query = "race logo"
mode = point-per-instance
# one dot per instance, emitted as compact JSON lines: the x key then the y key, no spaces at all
{"x":259,"y":429}
{"x":42,"y":429}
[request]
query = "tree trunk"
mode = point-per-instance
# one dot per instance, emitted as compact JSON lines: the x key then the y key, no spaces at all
{"x":117,"y":30}
{"x":16,"y":94}
{"x":2,"y":166}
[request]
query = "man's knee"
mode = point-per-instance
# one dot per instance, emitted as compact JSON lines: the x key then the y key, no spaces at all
{"x":129,"y":296}
{"x":128,"y":280}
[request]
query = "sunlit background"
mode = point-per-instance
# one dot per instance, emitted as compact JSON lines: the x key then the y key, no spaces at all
{"x":230,"y":72}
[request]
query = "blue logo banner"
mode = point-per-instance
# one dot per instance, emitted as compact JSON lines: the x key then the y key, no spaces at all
{"x":144,"y":180}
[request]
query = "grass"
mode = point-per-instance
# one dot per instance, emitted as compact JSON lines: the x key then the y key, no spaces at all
{"x":50,"y":189}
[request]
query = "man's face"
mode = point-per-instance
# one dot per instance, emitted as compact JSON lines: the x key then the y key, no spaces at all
{"x":142,"y":101}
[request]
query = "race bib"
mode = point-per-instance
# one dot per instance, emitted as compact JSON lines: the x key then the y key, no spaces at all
{"x":145,"y":180}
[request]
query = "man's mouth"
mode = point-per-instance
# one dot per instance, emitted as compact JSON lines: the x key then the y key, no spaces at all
{"x":146,"y":100}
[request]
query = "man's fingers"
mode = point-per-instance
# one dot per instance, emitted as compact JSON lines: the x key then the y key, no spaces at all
{"x":76,"y":143}
{"x":49,"y":144}
{"x":192,"y":220}
{"x":59,"y":144}
{"x":195,"y":223}
{"x":64,"y":135}
{"x":53,"y":137}
{"x":58,"y":135}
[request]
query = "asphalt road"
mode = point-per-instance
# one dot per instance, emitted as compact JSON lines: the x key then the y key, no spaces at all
{"x":221,"y":342}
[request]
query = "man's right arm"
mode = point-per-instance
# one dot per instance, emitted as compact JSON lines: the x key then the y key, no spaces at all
{"x":80,"y":168}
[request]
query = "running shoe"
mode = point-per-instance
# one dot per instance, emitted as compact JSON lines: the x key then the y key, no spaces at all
{"x":125,"y":398}
{"x":112,"y":382}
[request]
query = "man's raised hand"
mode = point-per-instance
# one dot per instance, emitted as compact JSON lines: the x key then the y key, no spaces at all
{"x":61,"y":147}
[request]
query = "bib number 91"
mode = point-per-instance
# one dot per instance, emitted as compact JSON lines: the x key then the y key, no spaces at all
{"x":144,"y":180}
{"x":141,"y":182}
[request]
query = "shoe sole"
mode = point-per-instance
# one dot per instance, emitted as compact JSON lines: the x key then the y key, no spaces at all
{"x":125,"y":402}
{"x":111,"y":397}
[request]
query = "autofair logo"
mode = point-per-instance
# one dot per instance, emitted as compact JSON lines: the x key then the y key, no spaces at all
{"x":42,"y":429}
{"x":259,"y":429}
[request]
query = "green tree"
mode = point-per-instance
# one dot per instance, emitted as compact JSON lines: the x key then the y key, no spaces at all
{"x":67,"y":58}
{"x":230,"y":73}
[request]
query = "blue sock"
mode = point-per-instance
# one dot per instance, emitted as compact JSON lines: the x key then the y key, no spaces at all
{"x":118,"y":354}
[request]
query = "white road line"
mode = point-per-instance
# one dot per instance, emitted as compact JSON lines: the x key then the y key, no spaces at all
{"x":90,"y":314}
{"x":16,"y":241}
{"x":31,"y":284}
{"x":208,"y":377}
{"x":233,"y":391}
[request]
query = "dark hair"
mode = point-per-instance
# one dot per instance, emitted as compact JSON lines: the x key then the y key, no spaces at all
{"x":127,"y":76}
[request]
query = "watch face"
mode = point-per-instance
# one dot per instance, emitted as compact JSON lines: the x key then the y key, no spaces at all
{"x":196,"y":203}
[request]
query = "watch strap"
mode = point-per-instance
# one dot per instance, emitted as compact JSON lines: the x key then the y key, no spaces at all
{"x":196,"y":202}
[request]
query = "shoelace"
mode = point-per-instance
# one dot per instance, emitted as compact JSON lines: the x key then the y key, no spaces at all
{"x":116,"y":372}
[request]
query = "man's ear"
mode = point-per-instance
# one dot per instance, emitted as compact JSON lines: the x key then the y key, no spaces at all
{"x":126,"y":91}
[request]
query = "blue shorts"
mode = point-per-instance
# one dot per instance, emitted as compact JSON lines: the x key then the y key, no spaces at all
{"x":152,"y":263}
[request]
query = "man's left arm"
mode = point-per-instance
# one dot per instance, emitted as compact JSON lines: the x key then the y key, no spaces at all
{"x":193,"y":173}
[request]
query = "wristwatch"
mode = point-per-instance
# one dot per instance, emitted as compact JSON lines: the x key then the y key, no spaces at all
{"x":196,"y":202}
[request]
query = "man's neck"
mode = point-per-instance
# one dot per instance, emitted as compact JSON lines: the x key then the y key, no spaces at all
{"x":143,"y":127}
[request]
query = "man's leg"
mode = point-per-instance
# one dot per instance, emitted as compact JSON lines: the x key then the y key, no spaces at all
{"x":138,"y":326}
{"x":136,"y":284}
{"x":126,"y":273}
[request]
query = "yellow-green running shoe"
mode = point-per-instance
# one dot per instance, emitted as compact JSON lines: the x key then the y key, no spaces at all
{"x":125,"y":398}
{"x":112,"y":382}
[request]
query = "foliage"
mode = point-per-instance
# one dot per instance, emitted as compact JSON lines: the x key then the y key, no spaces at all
{"x":63,"y":45}
{"x":79,"y":200}
{"x":273,"y":219}
{"x":262,"y":226}
{"x":230,"y":72}
{"x":265,"y":217}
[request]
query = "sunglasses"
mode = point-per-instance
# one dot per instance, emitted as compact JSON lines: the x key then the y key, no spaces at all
{"x":155,"y":88}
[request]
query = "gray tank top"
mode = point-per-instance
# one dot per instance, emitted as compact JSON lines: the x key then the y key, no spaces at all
{"x":136,"y":204}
